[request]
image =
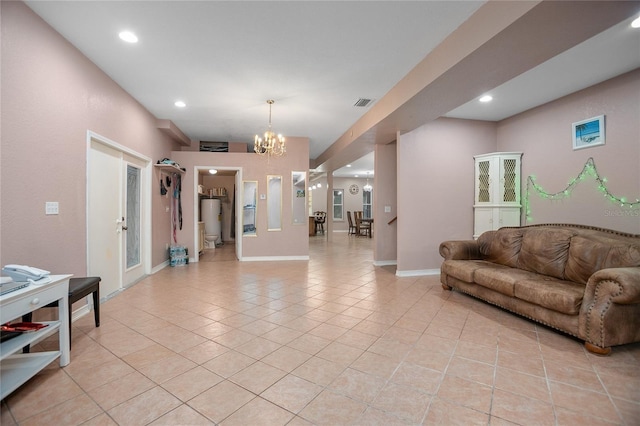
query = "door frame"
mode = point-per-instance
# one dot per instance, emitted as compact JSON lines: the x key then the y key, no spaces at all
{"x":196,"y":208}
{"x":145,"y":192}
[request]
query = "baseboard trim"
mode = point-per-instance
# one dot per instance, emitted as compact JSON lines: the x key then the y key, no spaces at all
{"x":385,"y":262}
{"x":418,"y":273}
{"x":160,"y":267}
{"x":272,"y":258}
{"x":79,"y":313}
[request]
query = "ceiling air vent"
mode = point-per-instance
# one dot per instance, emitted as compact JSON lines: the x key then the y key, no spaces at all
{"x":362,"y":102}
{"x":210,"y":146}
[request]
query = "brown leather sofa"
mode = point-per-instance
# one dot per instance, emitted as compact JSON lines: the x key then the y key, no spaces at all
{"x":582,"y":280}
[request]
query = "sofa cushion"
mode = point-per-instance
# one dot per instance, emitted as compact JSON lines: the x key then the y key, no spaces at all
{"x":588,"y":255}
{"x":545,"y":251}
{"x":501,"y":278}
{"x":463,"y":269}
{"x":558,"y":295}
{"x":501,"y":246}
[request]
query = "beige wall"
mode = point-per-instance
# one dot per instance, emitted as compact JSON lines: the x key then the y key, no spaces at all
{"x":435,"y":188}
{"x":544,"y":135}
{"x":386,"y":191}
{"x":51,"y":96}
{"x":435,"y":169}
{"x":292,"y":241}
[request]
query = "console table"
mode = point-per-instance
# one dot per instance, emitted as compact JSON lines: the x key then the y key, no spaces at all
{"x":16,"y":368}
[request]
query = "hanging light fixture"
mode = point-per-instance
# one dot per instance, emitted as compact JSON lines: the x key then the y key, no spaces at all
{"x":367,"y":187}
{"x":270,"y":143}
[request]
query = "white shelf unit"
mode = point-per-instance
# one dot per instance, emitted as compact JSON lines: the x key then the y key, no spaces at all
{"x":497,"y":200}
{"x":16,"y":368}
{"x":169,"y":168}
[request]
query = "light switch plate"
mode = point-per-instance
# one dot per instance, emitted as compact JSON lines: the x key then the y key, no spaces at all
{"x":263,"y":196}
{"x":51,"y":207}
{"x":387,"y":209}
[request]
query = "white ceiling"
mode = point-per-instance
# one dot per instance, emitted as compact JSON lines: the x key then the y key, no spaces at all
{"x":314,"y":58}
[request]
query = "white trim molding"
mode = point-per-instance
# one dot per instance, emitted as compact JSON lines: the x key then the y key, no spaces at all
{"x":272,"y":258}
{"x":418,"y":273}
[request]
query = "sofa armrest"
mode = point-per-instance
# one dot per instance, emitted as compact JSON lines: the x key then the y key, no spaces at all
{"x":460,"y":250}
{"x":620,"y":285}
{"x":610,"y":312}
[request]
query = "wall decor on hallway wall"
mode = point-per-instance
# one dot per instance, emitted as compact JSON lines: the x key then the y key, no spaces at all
{"x":588,"y":133}
{"x":589,"y":169}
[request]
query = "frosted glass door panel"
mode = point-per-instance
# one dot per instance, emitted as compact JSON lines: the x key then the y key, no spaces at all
{"x":133,"y":216}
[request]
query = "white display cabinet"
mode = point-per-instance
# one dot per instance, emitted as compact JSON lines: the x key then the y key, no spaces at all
{"x":497,"y":191}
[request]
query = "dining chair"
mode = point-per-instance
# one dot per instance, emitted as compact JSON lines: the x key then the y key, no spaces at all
{"x":352,"y":226}
{"x":320,"y":218}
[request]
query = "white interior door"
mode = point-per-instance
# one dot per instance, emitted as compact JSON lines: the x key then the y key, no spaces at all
{"x":116,"y":229}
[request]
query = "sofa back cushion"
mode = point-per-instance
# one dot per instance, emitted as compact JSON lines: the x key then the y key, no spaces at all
{"x":501,"y":246}
{"x":588,"y":254}
{"x":545,"y":251}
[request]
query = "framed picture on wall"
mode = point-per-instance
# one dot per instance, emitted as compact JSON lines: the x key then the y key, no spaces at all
{"x":588,"y":133}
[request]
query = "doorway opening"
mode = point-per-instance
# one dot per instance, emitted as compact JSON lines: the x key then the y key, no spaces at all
{"x":216,"y":194}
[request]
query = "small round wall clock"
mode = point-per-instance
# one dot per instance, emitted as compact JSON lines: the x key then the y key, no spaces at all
{"x":354,"y":189}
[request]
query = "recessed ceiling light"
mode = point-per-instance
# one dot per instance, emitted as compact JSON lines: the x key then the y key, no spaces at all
{"x":128,"y":36}
{"x":180,"y":104}
{"x":212,"y":171}
{"x":348,"y":165}
{"x":486,"y":98}
{"x":636,"y":23}
{"x":356,"y":176}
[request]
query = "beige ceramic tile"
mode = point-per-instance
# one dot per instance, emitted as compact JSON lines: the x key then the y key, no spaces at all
{"x":357,"y":385}
{"x":530,"y":364}
{"x":286,"y":358}
{"x":418,"y":377}
{"x":292,"y":393}
{"x":221,"y":401}
{"x":319,"y":371}
{"x":120,"y":390}
{"x":229,"y":363}
{"x":183,"y":415}
{"x":585,"y":401}
{"x":466,"y":393}
{"x":329,"y":408}
{"x":257,"y":377}
{"x":522,"y":384}
{"x":191,"y":383}
{"x":520,"y":409}
{"x":259,"y":412}
{"x":44,"y":391}
{"x":71,"y":412}
{"x":430,"y":356}
{"x":340,"y":353}
{"x":204,"y":352}
{"x":145,"y":408}
{"x":404,"y":402}
{"x":445,"y":412}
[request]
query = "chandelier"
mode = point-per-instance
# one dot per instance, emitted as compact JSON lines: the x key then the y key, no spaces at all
{"x":270,"y":143}
{"x":367,"y":187}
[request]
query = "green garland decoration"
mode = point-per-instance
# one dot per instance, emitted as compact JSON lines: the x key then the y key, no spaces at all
{"x":589,"y":169}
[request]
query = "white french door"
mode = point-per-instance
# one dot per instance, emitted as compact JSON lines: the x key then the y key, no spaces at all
{"x":117,"y":232}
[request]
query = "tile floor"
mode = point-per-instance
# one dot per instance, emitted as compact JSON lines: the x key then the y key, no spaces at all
{"x":332,"y":341}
